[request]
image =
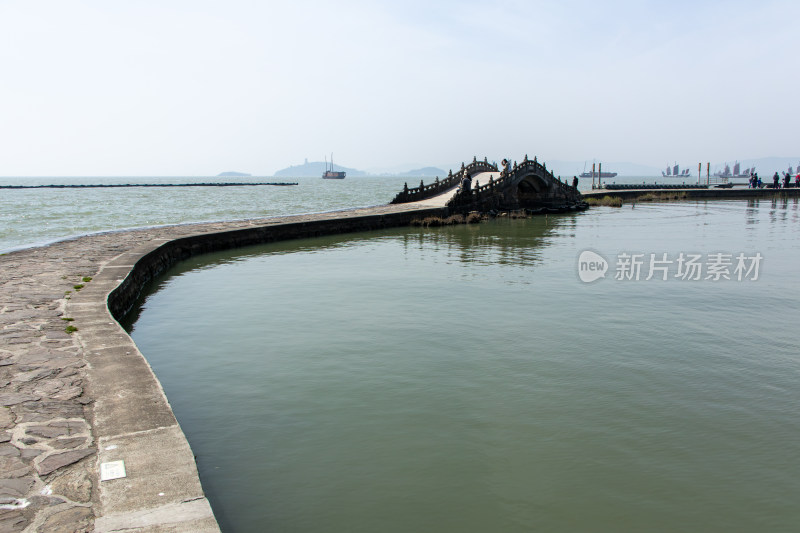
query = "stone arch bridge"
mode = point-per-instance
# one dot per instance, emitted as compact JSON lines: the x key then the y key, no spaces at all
{"x":528,"y":185}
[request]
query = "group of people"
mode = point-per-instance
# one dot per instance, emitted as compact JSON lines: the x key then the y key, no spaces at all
{"x":756,"y":183}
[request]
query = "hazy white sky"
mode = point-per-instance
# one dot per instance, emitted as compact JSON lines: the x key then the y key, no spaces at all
{"x":200,"y":87}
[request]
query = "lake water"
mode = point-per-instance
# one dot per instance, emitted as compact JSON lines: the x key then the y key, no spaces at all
{"x":38,"y":216}
{"x":466,"y":379}
{"x":30,"y":217}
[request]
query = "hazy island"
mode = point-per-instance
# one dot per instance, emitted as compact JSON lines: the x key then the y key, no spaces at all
{"x":425,"y":172}
{"x":233,"y":175}
{"x":314,"y":169}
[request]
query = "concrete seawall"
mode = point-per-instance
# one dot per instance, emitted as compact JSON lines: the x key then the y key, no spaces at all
{"x":72,"y":403}
{"x":735,"y":193}
{"x":154,"y":262}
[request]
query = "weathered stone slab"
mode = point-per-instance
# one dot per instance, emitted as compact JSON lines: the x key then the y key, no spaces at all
{"x":47,"y":432}
{"x":55,"y":334}
{"x":73,"y":442}
{"x":12,"y":398}
{"x":55,"y":461}
{"x":9,"y":450}
{"x":13,"y":467}
{"x":12,"y":521}
{"x":72,"y":426}
{"x":68,"y":393}
{"x":129,"y":398}
{"x":15,"y":488}
{"x":35,"y":375}
{"x":152,"y":460}
{"x":193,"y":516}
{"x":30,"y":453}
{"x":74,"y":482}
{"x":72,"y":520}
{"x":46,"y":410}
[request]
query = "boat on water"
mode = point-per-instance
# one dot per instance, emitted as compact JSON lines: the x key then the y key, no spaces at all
{"x":598,"y":175}
{"x":675,"y":172}
{"x":594,"y":174}
{"x":331,"y":174}
{"x":736,"y":173}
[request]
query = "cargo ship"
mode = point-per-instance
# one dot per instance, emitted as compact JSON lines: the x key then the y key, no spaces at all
{"x":598,"y":174}
{"x":332,"y":174}
{"x":594,"y":174}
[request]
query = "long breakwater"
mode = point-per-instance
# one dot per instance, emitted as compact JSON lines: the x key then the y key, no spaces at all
{"x":111,"y":185}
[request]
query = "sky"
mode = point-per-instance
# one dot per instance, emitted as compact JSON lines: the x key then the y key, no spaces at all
{"x":185,"y":88}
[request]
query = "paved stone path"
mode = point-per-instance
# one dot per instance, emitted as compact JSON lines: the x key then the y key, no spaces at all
{"x":49,"y":451}
{"x":440,"y":200}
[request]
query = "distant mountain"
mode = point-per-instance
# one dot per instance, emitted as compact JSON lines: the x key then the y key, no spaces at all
{"x":565,"y":169}
{"x":426,"y":172}
{"x":233,"y":175}
{"x":314,"y":169}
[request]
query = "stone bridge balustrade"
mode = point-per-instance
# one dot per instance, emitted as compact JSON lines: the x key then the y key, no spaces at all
{"x":520,"y":185}
{"x":524,"y":185}
{"x":423,"y":192}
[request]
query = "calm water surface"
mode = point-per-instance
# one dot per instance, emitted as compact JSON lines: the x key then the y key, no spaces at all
{"x":465,"y":379}
{"x":39,"y":216}
{"x":32,"y":217}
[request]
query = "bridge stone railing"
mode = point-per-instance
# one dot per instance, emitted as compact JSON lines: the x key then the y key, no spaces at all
{"x":424,"y":192}
{"x":501,"y":193}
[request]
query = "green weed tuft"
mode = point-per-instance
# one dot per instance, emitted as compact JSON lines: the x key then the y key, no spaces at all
{"x":608,"y":201}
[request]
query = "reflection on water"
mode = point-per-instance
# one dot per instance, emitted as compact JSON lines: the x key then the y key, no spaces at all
{"x":464,"y":379}
{"x":510,"y":242}
{"x":752,"y":211}
{"x":507,"y":242}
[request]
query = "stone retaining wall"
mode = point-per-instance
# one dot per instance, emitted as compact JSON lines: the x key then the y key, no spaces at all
{"x":697,"y":194}
{"x":155,"y":262}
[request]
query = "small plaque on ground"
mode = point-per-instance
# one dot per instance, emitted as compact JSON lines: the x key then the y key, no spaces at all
{"x":112,"y":470}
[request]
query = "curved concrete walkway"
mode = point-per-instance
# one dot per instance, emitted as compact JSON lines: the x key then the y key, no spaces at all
{"x":440,"y":200}
{"x":74,"y":402}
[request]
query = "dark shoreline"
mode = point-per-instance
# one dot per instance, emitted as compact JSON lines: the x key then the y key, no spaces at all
{"x":734,"y":193}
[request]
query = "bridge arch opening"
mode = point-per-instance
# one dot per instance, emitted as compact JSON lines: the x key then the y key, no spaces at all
{"x":530,"y":190}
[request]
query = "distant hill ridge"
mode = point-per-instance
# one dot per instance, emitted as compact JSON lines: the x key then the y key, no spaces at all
{"x":230,"y":174}
{"x":425,"y":172}
{"x":763,"y":165}
{"x":314,"y":169}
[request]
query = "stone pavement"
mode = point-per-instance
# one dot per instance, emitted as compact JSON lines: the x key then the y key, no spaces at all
{"x":71,"y":401}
